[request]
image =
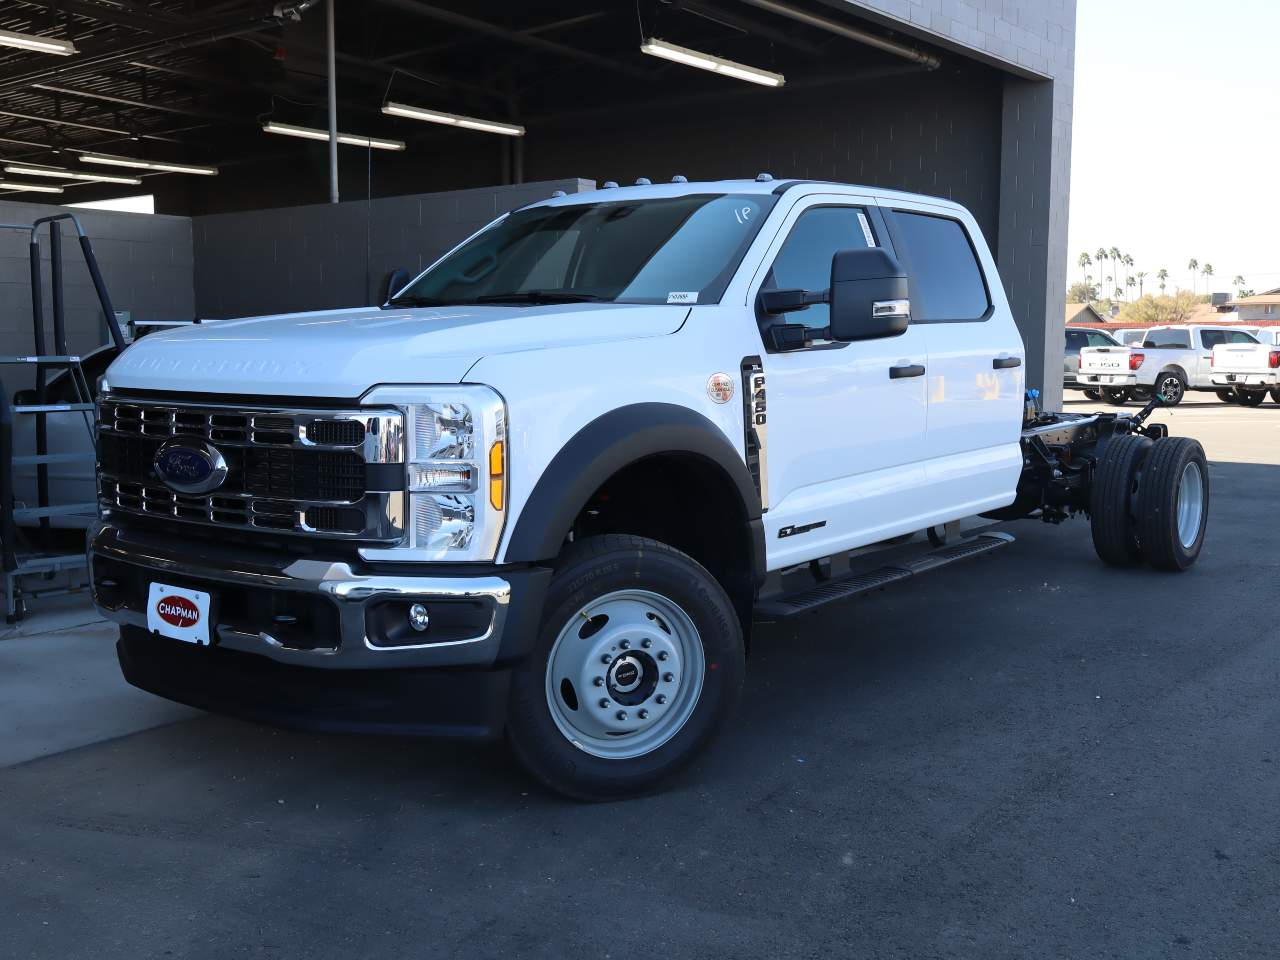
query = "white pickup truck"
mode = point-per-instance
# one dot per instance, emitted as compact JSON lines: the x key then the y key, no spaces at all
{"x":544,"y":490}
{"x":1170,"y":361}
{"x":1248,"y":371}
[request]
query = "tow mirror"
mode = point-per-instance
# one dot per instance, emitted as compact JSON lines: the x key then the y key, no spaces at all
{"x":869,"y":295}
{"x":396,"y":281}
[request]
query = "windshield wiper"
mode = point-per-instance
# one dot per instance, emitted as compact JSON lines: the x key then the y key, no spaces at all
{"x":540,"y":296}
{"x":417,"y":302}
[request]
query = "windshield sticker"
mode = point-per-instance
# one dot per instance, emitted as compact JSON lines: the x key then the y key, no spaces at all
{"x":866,"y":229}
{"x":683,"y":296}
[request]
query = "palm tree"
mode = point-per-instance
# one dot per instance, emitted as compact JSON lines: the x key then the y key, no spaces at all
{"x":1238,"y":282}
{"x":1193,"y":265}
{"x":1162,"y":275}
{"x":1085,"y":261}
{"x":1100,"y":256}
{"x":1207,"y":270}
{"x":1119,"y":294}
{"x":1141,"y":275}
{"x":1117,"y":258}
{"x":1130,"y":282}
{"x":1128,"y":265}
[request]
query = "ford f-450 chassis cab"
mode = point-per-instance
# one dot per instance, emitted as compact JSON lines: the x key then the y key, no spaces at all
{"x":545,"y":489}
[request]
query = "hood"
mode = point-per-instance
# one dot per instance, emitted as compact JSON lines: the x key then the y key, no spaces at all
{"x":342,"y":353}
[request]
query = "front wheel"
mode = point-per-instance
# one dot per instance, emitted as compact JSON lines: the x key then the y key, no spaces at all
{"x":639,"y":659}
{"x":1116,"y":396}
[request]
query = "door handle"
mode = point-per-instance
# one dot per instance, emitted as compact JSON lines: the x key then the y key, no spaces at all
{"x":1006,"y":363}
{"x":906,"y":370}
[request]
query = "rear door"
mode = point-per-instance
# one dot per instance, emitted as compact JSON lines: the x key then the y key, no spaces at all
{"x":976,"y":378}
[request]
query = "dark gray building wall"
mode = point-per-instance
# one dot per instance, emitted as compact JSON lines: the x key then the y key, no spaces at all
{"x":146,"y":261}
{"x":337,"y":255}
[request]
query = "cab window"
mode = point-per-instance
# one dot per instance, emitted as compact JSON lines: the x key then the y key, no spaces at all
{"x":945,"y":272}
{"x":1167,"y":340}
{"x":804,"y":262}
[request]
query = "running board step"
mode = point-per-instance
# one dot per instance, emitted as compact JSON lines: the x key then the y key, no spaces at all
{"x":842,"y":588}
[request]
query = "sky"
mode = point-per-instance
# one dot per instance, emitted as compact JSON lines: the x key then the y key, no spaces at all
{"x":1175,"y":139}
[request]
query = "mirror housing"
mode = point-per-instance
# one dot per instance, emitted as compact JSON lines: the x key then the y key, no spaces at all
{"x":396,"y":281}
{"x":869,"y":295}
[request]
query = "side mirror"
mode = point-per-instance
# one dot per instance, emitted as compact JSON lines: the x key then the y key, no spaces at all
{"x":396,"y":282}
{"x":869,"y":295}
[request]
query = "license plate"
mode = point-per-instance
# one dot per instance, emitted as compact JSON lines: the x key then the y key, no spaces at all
{"x":178,"y":613}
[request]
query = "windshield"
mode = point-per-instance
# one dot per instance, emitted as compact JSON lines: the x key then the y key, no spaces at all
{"x":664,"y":250}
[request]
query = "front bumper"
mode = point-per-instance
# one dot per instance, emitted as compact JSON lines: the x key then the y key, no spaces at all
{"x":1108,"y":379}
{"x":1271,"y":379}
{"x":321,"y":642}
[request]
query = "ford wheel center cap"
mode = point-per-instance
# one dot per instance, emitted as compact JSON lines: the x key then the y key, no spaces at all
{"x":190,"y":466}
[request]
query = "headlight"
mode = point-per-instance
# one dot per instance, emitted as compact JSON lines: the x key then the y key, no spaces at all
{"x":455,"y":472}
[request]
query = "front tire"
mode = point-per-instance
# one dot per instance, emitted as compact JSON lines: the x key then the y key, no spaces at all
{"x":1173,"y":503}
{"x":639,"y":660}
{"x":1111,"y":501}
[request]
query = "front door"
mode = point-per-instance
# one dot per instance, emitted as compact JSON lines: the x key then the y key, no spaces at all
{"x":846,"y":420}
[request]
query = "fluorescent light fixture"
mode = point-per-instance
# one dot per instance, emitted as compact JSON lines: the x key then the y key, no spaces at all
{"x":393,"y":109}
{"x":706,"y":61}
{"x":114,"y":161}
{"x":314,"y":133}
{"x":26,"y":41}
{"x":57,"y":174}
{"x":32,"y":187}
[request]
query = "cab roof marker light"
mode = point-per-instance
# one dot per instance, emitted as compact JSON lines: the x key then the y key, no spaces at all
{"x":711,"y":63}
{"x":158,"y":165}
{"x":32,"y":187}
{"x":57,"y":174}
{"x":27,"y":41}
{"x":348,"y":139}
{"x":393,"y":109}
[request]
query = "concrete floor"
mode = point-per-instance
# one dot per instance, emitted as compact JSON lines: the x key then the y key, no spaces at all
{"x":1027,"y":755}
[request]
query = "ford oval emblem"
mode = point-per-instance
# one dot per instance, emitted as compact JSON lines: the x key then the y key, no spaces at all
{"x":190,"y":466}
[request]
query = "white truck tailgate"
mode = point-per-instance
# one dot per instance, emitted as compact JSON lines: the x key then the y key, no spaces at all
{"x":1242,"y":358}
{"x":1104,"y":360}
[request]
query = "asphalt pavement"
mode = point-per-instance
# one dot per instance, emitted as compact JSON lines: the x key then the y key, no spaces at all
{"x":1027,"y":755}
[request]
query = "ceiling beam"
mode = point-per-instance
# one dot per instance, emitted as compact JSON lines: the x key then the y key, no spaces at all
{"x":534,"y":41}
{"x":182,"y":111}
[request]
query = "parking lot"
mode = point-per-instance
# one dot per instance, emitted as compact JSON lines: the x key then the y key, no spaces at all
{"x":1027,"y":755}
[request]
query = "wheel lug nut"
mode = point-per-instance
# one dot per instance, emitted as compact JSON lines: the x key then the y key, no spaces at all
{"x":643,"y":714}
{"x":661,"y":698}
{"x":622,"y":714}
{"x":668,"y":677}
{"x":605,"y":658}
{"x":625,"y":644}
{"x":598,"y":681}
{"x":604,"y":704}
{"x":662,"y":655}
{"x":646,"y":643}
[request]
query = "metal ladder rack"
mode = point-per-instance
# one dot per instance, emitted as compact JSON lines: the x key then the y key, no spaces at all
{"x":16,"y":563}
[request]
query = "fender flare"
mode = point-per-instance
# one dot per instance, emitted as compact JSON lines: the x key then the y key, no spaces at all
{"x":609,"y":443}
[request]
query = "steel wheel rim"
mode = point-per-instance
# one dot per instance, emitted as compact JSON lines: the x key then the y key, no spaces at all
{"x":1190,"y":504}
{"x":649,"y":685}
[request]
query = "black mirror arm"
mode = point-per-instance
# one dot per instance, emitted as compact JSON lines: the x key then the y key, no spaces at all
{"x":787,"y":301}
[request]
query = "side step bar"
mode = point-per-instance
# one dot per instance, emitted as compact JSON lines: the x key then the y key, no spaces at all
{"x":842,"y":588}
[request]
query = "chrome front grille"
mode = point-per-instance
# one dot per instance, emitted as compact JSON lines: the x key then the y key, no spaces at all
{"x":326,"y":473}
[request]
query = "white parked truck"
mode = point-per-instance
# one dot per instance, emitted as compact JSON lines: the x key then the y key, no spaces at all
{"x":1170,"y":361}
{"x":1248,"y":370}
{"x":547,"y":487}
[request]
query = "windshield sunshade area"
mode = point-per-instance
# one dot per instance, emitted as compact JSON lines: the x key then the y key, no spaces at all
{"x":662,"y":250}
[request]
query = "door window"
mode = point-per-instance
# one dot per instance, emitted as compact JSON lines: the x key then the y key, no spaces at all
{"x":944,"y":269}
{"x":1076,"y":339}
{"x":804,"y":262}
